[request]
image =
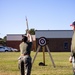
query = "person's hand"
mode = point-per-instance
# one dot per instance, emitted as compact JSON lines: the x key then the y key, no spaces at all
{"x":29,"y":37}
{"x":70,"y":59}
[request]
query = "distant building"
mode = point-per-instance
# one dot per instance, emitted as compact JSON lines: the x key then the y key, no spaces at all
{"x":13,"y":40}
{"x":57,"y":40}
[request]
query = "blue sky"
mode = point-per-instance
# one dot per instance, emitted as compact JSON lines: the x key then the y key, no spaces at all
{"x":41,"y":15}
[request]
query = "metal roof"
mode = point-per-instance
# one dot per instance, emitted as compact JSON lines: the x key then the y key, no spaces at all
{"x":54,"y":33}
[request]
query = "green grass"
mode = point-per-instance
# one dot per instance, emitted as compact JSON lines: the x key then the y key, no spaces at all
{"x":9,"y":64}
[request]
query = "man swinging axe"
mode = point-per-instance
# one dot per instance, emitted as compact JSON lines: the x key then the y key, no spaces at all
{"x":25,"y":59}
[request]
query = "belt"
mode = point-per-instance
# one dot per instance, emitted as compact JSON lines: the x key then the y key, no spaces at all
{"x":25,"y":54}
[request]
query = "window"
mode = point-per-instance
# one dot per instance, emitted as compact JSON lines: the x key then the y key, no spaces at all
{"x":66,"y":45}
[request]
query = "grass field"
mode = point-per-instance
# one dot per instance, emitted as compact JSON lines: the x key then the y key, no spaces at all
{"x":9,"y":64}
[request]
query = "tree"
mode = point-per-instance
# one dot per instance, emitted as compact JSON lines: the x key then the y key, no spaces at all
{"x":3,"y":41}
{"x":32,"y":31}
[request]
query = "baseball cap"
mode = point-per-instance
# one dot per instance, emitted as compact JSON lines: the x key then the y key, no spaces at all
{"x":73,"y":24}
{"x":23,"y":35}
{"x":24,"y":38}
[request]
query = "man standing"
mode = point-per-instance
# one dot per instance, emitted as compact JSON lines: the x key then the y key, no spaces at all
{"x":72,"y":57}
{"x":25,"y":64}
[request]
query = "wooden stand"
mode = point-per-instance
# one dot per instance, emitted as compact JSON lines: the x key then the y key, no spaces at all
{"x":44,"y":54}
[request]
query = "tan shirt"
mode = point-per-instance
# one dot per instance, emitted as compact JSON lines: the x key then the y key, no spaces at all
{"x":23,"y":47}
{"x":73,"y":43}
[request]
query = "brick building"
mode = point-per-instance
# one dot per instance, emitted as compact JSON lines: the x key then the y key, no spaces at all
{"x":57,"y":40}
{"x":13,"y":40}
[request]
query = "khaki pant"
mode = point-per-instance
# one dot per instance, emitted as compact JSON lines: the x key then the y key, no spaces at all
{"x":25,"y":65}
{"x":73,"y":63}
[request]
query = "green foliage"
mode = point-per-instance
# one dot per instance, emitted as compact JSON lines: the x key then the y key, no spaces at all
{"x":3,"y":41}
{"x":32,"y":31}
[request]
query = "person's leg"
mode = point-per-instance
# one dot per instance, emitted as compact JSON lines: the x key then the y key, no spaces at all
{"x":73,"y":62}
{"x":29,"y":68}
{"x":21,"y":67}
{"x":28,"y":65}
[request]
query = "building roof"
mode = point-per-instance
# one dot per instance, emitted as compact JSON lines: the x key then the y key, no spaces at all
{"x":54,"y":33}
{"x":43,"y":33}
{"x":16,"y":37}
